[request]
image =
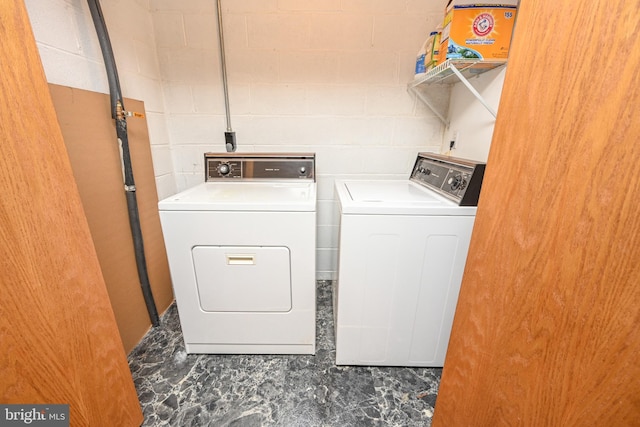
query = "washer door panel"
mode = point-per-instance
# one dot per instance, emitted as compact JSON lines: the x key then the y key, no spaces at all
{"x":243,"y":279}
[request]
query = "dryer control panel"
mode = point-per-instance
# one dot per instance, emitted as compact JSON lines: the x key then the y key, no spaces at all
{"x":259,"y":166}
{"x":457,"y":179}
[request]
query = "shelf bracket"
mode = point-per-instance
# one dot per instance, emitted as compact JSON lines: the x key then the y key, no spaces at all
{"x":448,"y":73}
{"x":428,"y":103}
{"x":473,"y":90}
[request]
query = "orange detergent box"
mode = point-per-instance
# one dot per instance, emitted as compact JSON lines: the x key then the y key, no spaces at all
{"x":477,"y":30}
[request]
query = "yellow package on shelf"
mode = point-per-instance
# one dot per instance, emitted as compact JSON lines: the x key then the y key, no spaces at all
{"x":433,"y":51}
{"x":477,"y":30}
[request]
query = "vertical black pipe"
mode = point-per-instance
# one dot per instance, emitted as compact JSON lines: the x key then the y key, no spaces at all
{"x":118,"y":114}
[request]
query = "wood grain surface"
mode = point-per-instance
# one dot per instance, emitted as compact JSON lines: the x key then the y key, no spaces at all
{"x":547,"y":330}
{"x":58,"y":334}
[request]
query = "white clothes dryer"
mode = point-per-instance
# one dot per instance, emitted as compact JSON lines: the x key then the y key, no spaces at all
{"x":241,"y":250}
{"x":402,"y":250}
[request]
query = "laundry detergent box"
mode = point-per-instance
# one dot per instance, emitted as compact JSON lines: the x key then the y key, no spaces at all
{"x":473,"y":30}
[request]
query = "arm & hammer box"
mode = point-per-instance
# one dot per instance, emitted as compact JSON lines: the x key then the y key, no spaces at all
{"x":477,"y":30}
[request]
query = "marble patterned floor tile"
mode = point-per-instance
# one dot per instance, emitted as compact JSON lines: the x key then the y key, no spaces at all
{"x":177,"y":389}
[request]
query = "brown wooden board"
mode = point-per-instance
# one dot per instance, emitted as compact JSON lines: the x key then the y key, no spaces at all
{"x":90,"y":137}
{"x":59,"y":342}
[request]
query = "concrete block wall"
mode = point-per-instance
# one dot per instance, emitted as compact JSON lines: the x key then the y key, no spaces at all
{"x":71,"y":56}
{"x":470,"y":121}
{"x":306,"y":76}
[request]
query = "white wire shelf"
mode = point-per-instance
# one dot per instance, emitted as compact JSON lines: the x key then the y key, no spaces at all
{"x":445,"y":74}
{"x":448,"y":73}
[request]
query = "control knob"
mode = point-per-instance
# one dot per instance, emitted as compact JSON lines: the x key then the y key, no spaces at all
{"x":457,"y":182}
{"x":224,"y":169}
{"x":302,"y":170}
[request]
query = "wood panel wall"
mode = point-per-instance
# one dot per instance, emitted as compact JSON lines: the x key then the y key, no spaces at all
{"x":547,"y":330}
{"x":58,"y":337}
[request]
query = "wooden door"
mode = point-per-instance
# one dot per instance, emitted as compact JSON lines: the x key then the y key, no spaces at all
{"x":547,"y":330}
{"x":58,"y":337}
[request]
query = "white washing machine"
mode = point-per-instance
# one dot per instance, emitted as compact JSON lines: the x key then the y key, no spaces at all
{"x":241,"y":250}
{"x":402,"y":250}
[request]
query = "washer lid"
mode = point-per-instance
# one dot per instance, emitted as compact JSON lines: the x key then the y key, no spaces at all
{"x":244,"y":196}
{"x":395,"y":197}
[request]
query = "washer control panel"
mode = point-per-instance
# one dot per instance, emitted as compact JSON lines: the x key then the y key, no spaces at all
{"x":259,"y":166}
{"x":458,"y":179}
